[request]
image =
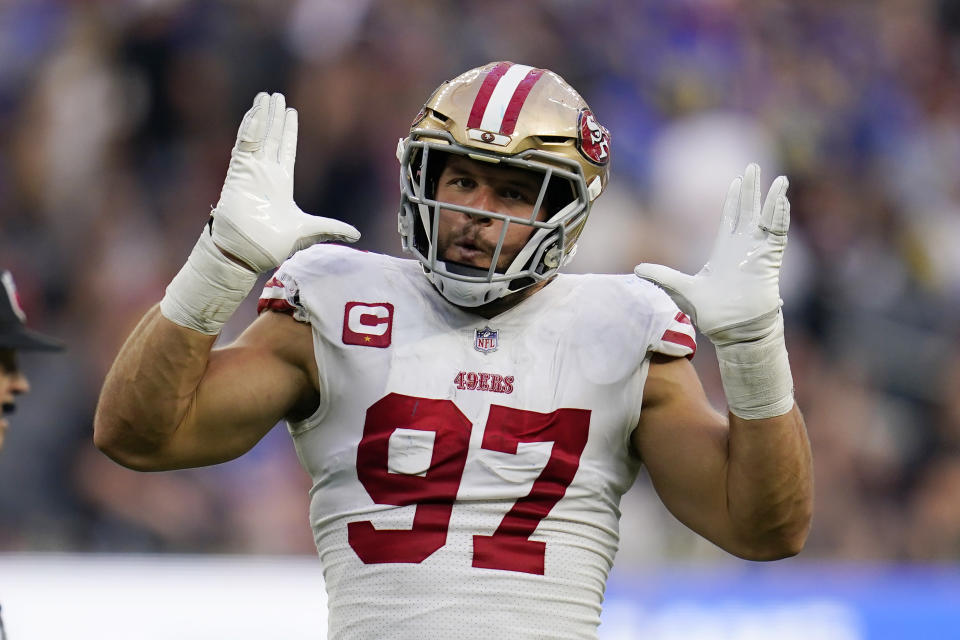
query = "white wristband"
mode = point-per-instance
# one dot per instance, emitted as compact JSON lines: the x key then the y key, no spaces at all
{"x":756,"y":375}
{"x":207,"y":290}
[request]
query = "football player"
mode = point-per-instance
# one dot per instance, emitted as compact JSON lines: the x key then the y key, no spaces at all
{"x":472,"y":417}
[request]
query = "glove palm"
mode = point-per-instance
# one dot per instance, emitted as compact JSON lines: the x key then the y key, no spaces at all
{"x":256,"y":219}
{"x":735,"y":297}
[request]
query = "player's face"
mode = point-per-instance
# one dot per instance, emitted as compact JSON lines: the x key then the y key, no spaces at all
{"x":12,"y":384}
{"x":472,"y":239}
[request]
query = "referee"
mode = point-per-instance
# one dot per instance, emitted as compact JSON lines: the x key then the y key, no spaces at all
{"x":14,"y":337}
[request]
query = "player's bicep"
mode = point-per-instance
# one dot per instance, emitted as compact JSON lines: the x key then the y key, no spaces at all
{"x":267,"y":374}
{"x":683,"y":442}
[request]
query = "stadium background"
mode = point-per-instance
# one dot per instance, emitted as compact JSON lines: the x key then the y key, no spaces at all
{"x":116,"y":121}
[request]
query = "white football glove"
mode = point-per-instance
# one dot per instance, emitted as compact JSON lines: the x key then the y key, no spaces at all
{"x":256,"y":219}
{"x":735,"y":297}
{"x":256,"y":222}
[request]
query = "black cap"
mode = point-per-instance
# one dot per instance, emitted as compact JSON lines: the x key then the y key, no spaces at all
{"x":13,"y":329}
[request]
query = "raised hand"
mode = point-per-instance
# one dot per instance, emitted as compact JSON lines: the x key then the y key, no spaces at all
{"x":256,"y":220}
{"x":735,"y":297}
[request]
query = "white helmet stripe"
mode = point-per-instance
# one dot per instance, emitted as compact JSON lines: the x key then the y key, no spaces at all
{"x":501,"y":96}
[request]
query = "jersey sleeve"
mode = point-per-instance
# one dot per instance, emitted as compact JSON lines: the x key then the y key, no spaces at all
{"x":679,"y":339}
{"x":665,"y":328}
{"x":281,"y":294}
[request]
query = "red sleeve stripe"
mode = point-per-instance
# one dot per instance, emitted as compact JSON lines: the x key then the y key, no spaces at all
{"x":682,"y":317}
{"x":483,"y":95}
{"x":275,"y":304}
{"x":681,"y":339}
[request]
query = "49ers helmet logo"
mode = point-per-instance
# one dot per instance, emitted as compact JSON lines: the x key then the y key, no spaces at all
{"x":594,"y":139}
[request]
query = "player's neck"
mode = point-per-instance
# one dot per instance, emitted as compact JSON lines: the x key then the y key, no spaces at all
{"x":507,"y":302}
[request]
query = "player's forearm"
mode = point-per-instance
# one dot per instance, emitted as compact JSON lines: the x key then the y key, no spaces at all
{"x":149,"y":389}
{"x":769,"y":477}
{"x":769,"y":485}
{"x":154,"y":380}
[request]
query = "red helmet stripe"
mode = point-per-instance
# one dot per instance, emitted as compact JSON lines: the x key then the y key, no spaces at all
{"x":486,"y":90}
{"x":517,"y":100}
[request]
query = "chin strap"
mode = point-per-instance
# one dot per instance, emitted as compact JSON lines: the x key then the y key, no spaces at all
{"x":467,"y":294}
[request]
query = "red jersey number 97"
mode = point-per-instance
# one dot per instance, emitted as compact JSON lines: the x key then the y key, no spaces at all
{"x":434,"y":493}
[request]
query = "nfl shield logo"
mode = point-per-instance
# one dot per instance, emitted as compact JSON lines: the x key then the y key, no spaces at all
{"x":485,"y":340}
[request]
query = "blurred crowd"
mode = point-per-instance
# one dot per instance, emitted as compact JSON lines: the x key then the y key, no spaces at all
{"x":116,"y":123}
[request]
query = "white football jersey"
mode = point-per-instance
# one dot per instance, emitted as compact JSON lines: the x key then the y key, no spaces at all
{"x":467,"y":472}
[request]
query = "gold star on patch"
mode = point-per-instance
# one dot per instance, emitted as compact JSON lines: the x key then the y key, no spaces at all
{"x":367,"y":338}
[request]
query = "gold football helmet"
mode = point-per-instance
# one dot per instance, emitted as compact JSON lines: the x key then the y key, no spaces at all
{"x":512,"y":115}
